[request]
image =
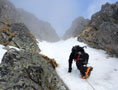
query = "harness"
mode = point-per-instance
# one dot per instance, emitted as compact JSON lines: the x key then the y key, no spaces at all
{"x":78,"y":58}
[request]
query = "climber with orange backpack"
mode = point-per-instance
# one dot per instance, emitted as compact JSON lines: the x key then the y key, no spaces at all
{"x":81,"y":58}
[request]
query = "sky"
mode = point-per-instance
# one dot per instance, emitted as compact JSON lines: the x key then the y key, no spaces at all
{"x":61,"y":13}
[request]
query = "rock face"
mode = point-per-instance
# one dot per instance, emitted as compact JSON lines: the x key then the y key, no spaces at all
{"x":12,"y":31}
{"x":102,"y":32}
{"x":8,"y":12}
{"x":18,"y":35}
{"x":77,"y":28}
{"x":42,"y":30}
{"x":24,"y":70}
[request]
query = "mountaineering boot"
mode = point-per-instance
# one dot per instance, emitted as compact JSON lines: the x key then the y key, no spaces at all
{"x":84,"y":77}
{"x":88,"y":73}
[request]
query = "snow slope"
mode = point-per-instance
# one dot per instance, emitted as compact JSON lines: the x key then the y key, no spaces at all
{"x":103,"y":77}
{"x":3,"y":51}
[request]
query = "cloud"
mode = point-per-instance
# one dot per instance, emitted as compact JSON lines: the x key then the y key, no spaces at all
{"x":60,"y":13}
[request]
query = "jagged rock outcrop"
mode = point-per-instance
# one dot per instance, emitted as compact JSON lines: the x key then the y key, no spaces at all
{"x":78,"y":25}
{"x":24,"y":70}
{"x":42,"y":30}
{"x":12,"y":31}
{"x":18,"y":35}
{"x":102,"y":32}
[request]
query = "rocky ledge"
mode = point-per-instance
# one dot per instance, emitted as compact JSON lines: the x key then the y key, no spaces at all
{"x":102,"y":31}
{"x":24,"y":70}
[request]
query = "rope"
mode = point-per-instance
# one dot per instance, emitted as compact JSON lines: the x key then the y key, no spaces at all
{"x":90,"y":84}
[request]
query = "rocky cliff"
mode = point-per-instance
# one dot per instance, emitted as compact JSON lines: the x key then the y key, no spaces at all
{"x":42,"y":30}
{"x":78,"y":25}
{"x":12,"y":30}
{"x":102,"y":32}
{"x":24,"y":69}
{"x":8,"y":11}
{"x":17,"y":35}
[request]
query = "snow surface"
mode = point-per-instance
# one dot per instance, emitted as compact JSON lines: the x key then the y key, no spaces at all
{"x":3,"y":51}
{"x":103,"y":77}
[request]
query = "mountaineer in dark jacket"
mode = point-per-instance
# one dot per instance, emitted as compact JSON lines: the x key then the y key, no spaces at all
{"x":81,"y":59}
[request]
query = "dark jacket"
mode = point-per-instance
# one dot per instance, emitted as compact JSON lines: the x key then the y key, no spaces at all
{"x":78,"y":51}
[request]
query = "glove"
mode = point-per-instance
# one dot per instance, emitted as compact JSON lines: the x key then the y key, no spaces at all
{"x":69,"y":70}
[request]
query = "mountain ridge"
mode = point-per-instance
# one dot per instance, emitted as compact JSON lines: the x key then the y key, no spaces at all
{"x":77,"y":27}
{"x":41,"y":29}
{"x":102,"y":31}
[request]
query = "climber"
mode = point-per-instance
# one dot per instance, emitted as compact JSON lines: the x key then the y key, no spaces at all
{"x":81,"y":59}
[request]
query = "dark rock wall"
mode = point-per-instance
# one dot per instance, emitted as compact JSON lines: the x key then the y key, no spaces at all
{"x":12,"y":30}
{"x":102,"y":32}
{"x":18,"y":35}
{"x":24,"y":70}
{"x":23,"y":38}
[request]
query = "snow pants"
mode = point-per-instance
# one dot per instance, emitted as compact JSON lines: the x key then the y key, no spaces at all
{"x":82,"y":68}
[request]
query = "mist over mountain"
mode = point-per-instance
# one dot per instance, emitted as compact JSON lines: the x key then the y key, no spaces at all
{"x":9,"y":13}
{"x":78,"y":25}
{"x":42,"y":30}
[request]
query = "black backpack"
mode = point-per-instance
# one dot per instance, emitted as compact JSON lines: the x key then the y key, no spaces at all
{"x":80,"y":50}
{"x":77,"y":48}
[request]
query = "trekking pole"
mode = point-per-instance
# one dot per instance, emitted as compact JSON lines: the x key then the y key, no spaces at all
{"x":90,"y":84}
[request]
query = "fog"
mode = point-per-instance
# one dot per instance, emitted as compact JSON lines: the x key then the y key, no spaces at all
{"x":60,"y":13}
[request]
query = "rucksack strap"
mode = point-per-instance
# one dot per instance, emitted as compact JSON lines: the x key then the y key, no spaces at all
{"x":77,"y":58}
